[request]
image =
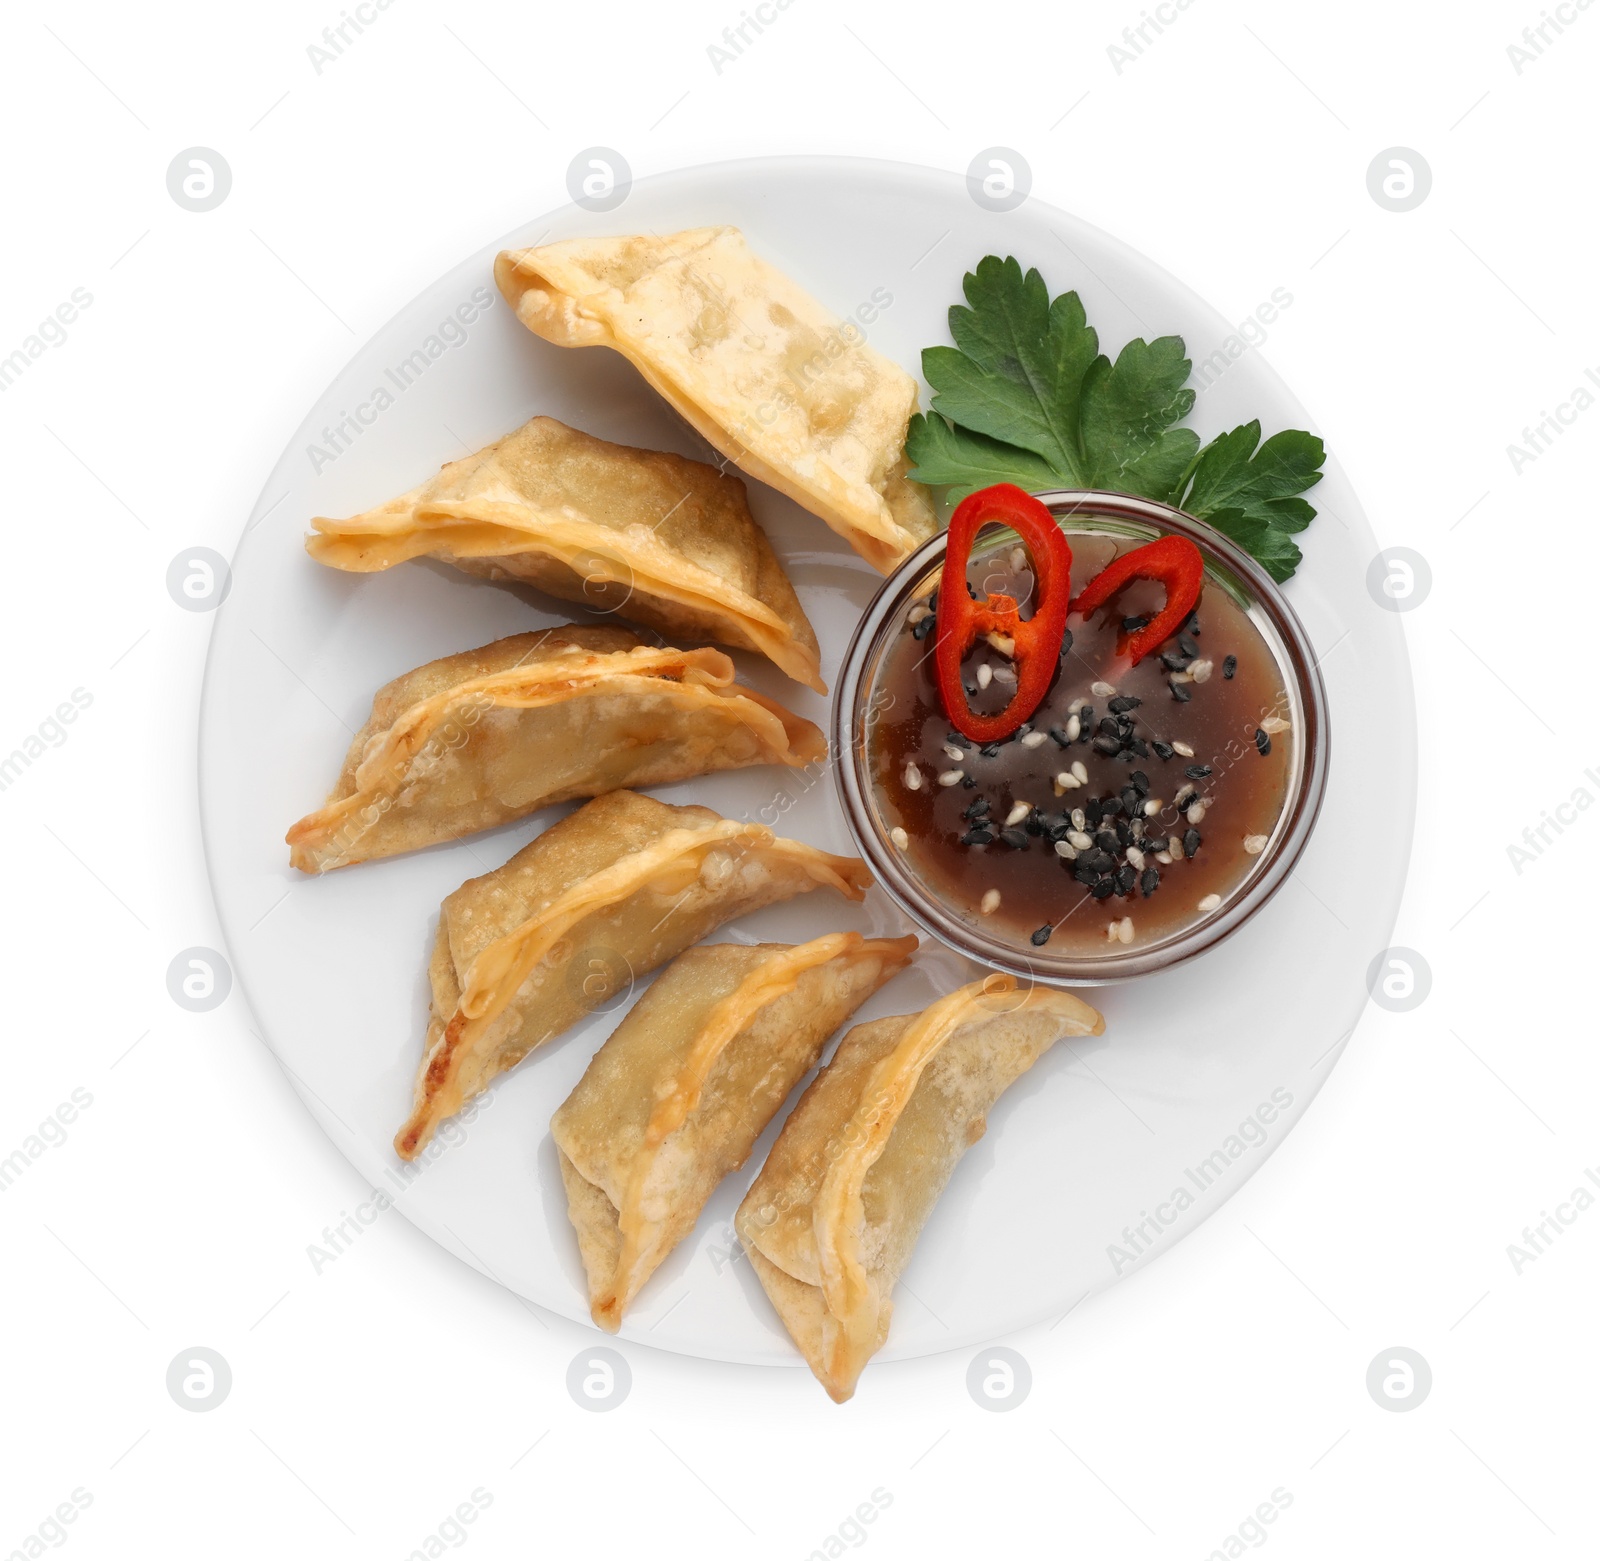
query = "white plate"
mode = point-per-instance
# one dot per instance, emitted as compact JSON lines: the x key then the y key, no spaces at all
{"x":1102,"y":1133}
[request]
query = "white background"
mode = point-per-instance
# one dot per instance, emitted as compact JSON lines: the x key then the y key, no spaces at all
{"x":372,"y":1398}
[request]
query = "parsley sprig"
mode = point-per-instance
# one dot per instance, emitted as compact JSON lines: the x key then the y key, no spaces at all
{"x":1026,"y":396}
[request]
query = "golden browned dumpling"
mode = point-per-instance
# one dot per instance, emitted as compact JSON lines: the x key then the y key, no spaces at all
{"x":677,"y":1097}
{"x":831,"y":1221}
{"x":658,"y":538}
{"x":488,"y":735}
{"x":612,"y":891}
{"x":775,"y":381}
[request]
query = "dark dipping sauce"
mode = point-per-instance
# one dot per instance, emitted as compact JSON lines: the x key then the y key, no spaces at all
{"x":1200,"y":728}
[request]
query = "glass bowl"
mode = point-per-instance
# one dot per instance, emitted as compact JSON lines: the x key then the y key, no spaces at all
{"x":1228,"y":568}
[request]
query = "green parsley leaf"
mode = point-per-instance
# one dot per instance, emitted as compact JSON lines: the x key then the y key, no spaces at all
{"x":1231,"y":473}
{"x":1026,"y":396}
{"x":1273,"y":549}
{"x":957,"y":458}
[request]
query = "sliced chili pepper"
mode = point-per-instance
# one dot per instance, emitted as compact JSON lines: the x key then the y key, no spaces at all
{"x":963,"y":621}
{"x":1174,"y":561}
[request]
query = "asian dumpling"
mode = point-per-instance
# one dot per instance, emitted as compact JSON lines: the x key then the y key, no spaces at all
{"x":831,"y":1220}
{"x":677,"y":1097}
{"x":614,"y":890}
{"x":771,"y":378}
{"x":652,"y":536}
{"x":489,"y":735}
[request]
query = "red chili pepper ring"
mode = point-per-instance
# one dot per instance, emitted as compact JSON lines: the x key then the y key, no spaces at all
{"x":1176,"y":562}
{"x":963,"y":621}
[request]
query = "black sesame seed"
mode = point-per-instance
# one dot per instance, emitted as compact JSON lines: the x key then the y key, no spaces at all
{"x":1263,"y":743}
{"x":976,"y":808}
{"x":1109,"y":726}
{"x":923,"y":627}
{"x":1193,"y":625}
{"x":1175,"y":661}
{"x":1110,"y":807}
{"x":1124,"y":880}
{"x":1034,"y":824}
{"x":1163,"y":750}
{"x":1017,"y":839}
{"x":1104,"y":889}
{"x":1106,"y":839}
{"x":1149,"y":881}
{"x":1191,"y":842}
{"x":1059,"y":831}
{"x":1139,"y":747}
{"x":1131,"y":799}
{"x":1085,"y":875}
{"x":1066,"y":641}
{"x":1092,"y":809}
{"x":1123,"y":703}
{"x":1059,"y":736}
{"x":1133,"y":625}
{"x":956,"y":740}
{"x":990,"y":750}
{"x":971,"y":688}
{"x":968,"y":782}
{"x":1124,"y":727}
{"x":1107,"y":744}
{"x":977,"y":836}
{"x":1188,"y":646}
{"x":1140,"y":782}
{"x":1230,"y":665}
{"x":1097,"y":859}
{"x":1180,"y":692}
{"x":1154,"y":843}
{"x":1042,"y":936}
{"x":1197,"y":771}
{"x":1086,"y":716}
{"x":1124,"y":833}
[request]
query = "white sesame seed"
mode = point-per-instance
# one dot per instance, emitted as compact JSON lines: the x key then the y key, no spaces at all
{"x":950,"y":777}
{"x":985,"y":675}
{"x":1101,"y":690}
{"x":1033,"y":739}
{"x":1066,"y":781}
{"x":1200,"y":671}
{"x":1019,"y":559}
{"x":1254,"y":845}
{"x":1135,"y":858}
{"x":1211,"y":902}
{"x":900,"y":837}
{"x":1079,"y":818}
{"x":1065,"y":848}
{"x":1074,"y":728}
{"x":1019,"y":811}
{"x":1196,"y":811}
{"x":1076,"y":706}
{"x":990,"y":902}
{"x":1184,"y":749}
{"x":953,"y":751}
{"x":1181,"y":677}
{"x":1164,"y":858}
{"x":917,"y":614}
{"x":1185,"y":791}
{"x":1152,"y":806}
{"x":913,"y":778}
{"x":1005,"y":674}
{"x":1080,"y":771}
{"x":1082,"y":841}
{"x":1274,"y":724}
{"x":1125,"y":930}
{"x":1001,"y":642}
{"x":1111,"y":932}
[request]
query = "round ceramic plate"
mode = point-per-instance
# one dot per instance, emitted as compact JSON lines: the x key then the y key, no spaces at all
{"x":1103,"y":1156}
